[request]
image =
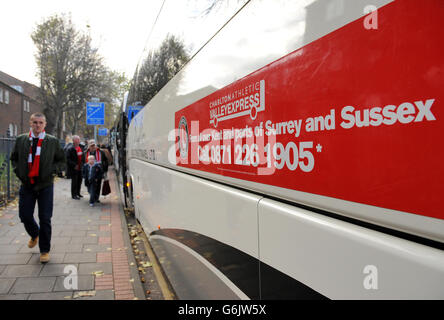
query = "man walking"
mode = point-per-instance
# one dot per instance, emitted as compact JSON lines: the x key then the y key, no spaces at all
{"x":36,"y":158}
{"x":74,"y":163}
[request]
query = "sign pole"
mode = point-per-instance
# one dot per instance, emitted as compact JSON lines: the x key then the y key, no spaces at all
{"x":95,"y":115}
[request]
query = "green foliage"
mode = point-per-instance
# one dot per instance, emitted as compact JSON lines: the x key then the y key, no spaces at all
{"x":157,"y":69}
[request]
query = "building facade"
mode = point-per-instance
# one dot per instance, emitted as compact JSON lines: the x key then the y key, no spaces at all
{"x":18,"y":100}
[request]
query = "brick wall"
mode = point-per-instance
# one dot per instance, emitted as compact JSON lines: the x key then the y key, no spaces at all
{"x":11,"y":113}
{"x":19,"y":114}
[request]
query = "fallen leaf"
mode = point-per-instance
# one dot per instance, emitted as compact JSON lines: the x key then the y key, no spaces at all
{"x":98,"y":273}
{"x":142,"y":270}
{"x":93,"y":235}
{"x":131,"y":280}
{"x":11,"y":224}
{"x":84,"y":294}
{"x":146,"y":264}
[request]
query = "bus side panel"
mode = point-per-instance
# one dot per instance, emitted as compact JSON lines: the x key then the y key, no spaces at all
{"x":185,"y":215}
{"x":342,"y":261}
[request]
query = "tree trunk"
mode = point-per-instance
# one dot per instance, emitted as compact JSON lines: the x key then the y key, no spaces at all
{"x":74,"y":127}
{"x":57,"y":125}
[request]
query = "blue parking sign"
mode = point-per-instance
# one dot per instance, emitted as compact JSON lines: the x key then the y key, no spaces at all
{"x":95,"y":113}
{"x":132,"y":111}
{"x":103,"y":132}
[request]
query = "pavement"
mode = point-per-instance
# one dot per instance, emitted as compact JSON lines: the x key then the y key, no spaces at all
{"x":91,"y":256}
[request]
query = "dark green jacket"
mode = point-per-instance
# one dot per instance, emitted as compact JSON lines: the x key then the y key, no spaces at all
{"x":52,"y":160}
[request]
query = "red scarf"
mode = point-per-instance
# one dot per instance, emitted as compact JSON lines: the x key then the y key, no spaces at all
{"x":33,"y":167}
{"x":79,"y":156}
{"x":98,"y":158}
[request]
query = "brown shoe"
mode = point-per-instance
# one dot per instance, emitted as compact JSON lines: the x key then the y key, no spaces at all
{"x":44,"y":257}
{"x":33,"y":242}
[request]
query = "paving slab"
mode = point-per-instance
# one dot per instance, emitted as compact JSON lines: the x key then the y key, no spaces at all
{"x":84,"y":240}
{"x":17,"y":271}
{"x":25,"y":249}
{"x":15,"y":258}
{"x":71,"y":233}
{"x":84,"y":283}
{"x":85,"y":228}
{"x":5,"y":285}
{"x":14,"y":297}
{"x":89,"y":268}
{"x":80,"y":257}
{"x":54,"y":258}
{"x":33,"y":285}
{"x":3,"y":231}
{"x":57,"y":269}
{"x":67,"y":248}
{"x":10,"y":248}
{"x":6,"y":239}
{"x":66,"y":295}
{"x":60,"y":240}
{"x":97,"y":247}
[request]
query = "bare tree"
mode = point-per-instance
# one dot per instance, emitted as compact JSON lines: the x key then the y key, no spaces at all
{"x":70,"y":70}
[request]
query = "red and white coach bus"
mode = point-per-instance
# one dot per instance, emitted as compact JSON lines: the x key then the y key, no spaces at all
{"x":298,"y":153}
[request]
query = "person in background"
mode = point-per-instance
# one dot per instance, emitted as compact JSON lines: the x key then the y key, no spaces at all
{"x":74,"y":155}
{"x":83,"y":145}
{"x":36,"y":159}
{"x":92,"y":173}
{"x":101,"y":158}
{"x":107,"y":153}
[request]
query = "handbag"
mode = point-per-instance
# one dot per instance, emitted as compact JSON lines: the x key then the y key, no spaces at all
{"x":106,"y":189}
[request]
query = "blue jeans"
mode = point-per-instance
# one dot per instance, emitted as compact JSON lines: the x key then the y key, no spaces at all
{"x":94,"y":191}
{"x":45,"y":199}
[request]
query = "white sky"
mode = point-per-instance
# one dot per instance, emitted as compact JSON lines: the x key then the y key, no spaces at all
{"x":119,"y":28}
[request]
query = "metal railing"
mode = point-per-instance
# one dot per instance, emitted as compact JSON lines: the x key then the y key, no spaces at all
{"x":9,"y":183}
